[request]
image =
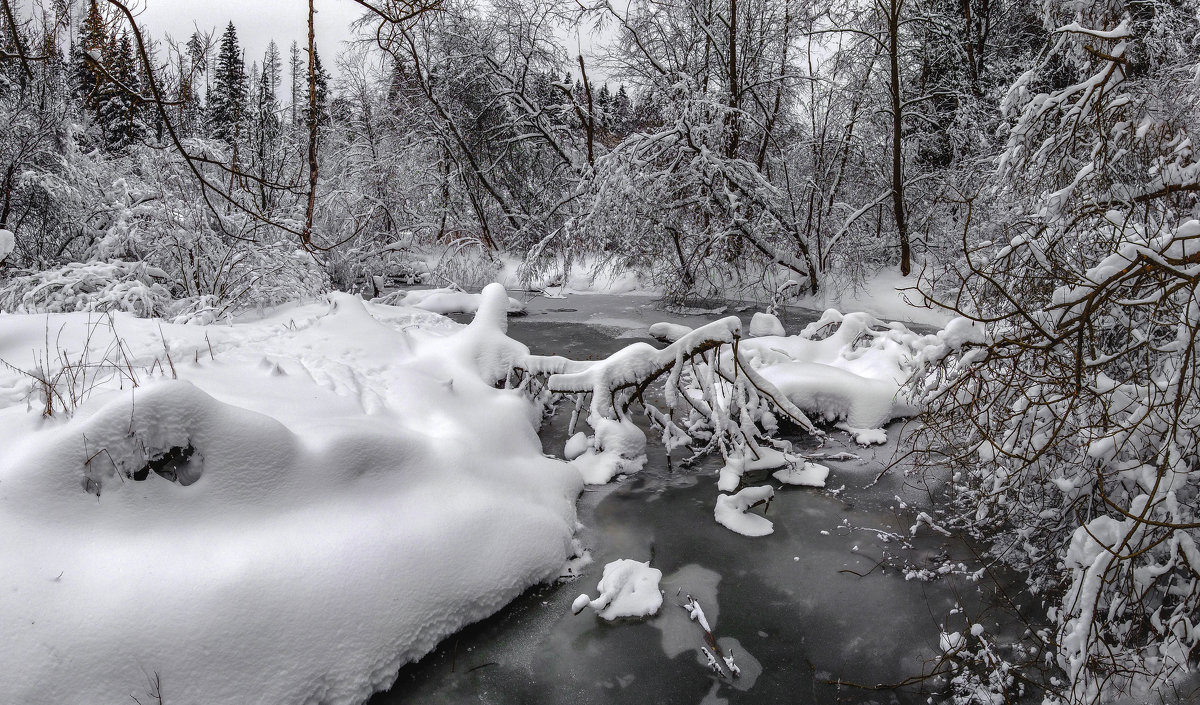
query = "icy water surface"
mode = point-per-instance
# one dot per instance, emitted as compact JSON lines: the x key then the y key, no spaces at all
{"x":823,"y":599}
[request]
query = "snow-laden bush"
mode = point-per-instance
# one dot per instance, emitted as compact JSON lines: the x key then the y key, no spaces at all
{"x":1072,"y":411}
{"x":134,"y":232}
{"x":133,"y":287}
{"x":674,"y":205}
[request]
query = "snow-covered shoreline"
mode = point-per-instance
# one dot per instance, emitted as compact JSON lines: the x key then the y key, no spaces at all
{"x":361,"y":491}
{"x":345,"y":478}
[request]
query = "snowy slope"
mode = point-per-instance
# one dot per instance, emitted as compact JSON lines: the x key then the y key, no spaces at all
{"x":355,"y":490}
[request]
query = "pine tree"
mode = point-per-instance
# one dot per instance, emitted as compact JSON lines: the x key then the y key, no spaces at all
{"x":622,"y":112}
{"x":322,"y":92}
{"x":89,"y":52}
{"x":297,"y":72}
{"x":604,"y":107}
{"x":117,"y":112}
{"x":194,"y":63}
{"x":227,"y":101}
{"x":266,"y":109}
{"x":272,"y":69}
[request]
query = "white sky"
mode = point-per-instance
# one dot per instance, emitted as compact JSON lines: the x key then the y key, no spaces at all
{"x":260,"y":21}
{"x":257,"y":22}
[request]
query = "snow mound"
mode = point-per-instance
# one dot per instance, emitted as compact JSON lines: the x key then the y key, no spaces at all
{"x":628,"y":589}
{"x":576,"y":446}
{"x":765,"y":324}
{"x":290,"y":507}
{"x":758,"y":458}
{"x":617,"y":448}
{"x":732,"y":511}
{"x":855,"y":375}
{"x":668,"y":332}
{"x":805,"y":474}
{"x":445,"y":301}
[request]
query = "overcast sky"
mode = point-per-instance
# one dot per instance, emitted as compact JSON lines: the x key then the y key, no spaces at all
{"x":260,"y":21}
{"x":257,"y":22}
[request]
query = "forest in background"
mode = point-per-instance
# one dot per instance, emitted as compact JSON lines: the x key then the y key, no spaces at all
{"x":798,"y":141}
{"x":1031,"y":162}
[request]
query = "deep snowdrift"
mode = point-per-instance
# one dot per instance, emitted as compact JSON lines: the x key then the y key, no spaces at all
{"x":327,"y":492}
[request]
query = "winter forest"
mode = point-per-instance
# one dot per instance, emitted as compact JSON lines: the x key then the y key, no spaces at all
{"x":601,"y":351}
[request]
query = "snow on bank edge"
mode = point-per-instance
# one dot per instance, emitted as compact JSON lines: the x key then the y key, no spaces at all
{"x":362,"y":494}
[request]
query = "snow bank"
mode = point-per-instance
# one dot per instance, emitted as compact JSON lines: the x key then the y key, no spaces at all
{"x":628,"y":589}
{"x":282,"y":510}
{"x":584,"y":274}
{"x":445,"y":301}
{"x":8,"y":243}
{"x":886,"y":294}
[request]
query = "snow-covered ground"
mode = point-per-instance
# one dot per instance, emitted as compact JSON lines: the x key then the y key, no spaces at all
{"x":888,"y":295}
{"x":294,"y":505}
{"x":282,"y":510}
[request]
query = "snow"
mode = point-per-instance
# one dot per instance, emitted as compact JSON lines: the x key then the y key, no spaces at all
{"x":585,"y":275}
{"x":349,"y":488}
{"x":765,"y":324}
{"x":576,"y":446}
{"x":886,"y":294}
{"x":669,"y":332}
{"x":696,"y":613}
{"x":93,"y":286}
{"x":446,"y":301}
{"x":8,"y":243}
{"x":628,"y":589}
{"x":795,"y":469}
{"x":833,"y":393}
{"x":731,"y":511}
{"x":949,"y":642}
{"x":617,"y":448}
{"x":855,"y":375}
{"x":865,"y":436}
{"x":805,"y":474}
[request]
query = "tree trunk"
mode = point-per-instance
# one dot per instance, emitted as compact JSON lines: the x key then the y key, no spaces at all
{"x":898,"y":211}
{"x":313,"y":119}
{"x":733,"y":122}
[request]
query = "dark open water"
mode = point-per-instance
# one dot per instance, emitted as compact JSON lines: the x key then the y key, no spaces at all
{"x":824,"y":598}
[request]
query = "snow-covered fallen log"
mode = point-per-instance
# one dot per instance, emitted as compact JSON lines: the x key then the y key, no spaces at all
{"x":445,"y":301}
{"x":712,"y":390}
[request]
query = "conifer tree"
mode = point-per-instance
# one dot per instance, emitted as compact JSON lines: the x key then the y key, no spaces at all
{"x":622,"y":112}
{"x":604,"y":107}
{"x":322,"y":93}
{"x":117,"y":111}
{"x":90,"y":48}
{"x":192,"y":65}
{"x":227,"y":101}
{"x":297,"y":72}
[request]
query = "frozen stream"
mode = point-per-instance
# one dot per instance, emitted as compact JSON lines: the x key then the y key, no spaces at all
{"x":825,"y":597}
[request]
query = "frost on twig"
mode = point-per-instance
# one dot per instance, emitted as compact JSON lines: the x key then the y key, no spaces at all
{"x":711,"y":650}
